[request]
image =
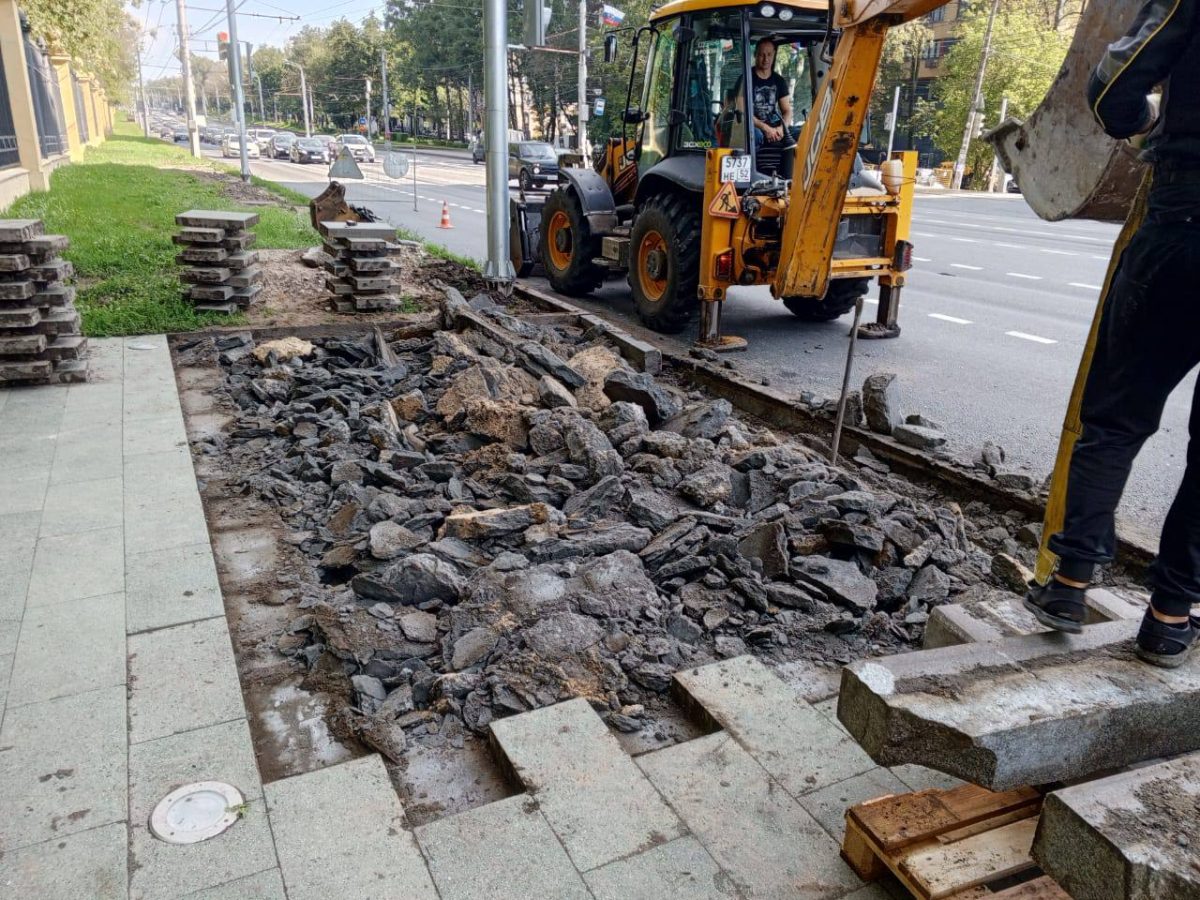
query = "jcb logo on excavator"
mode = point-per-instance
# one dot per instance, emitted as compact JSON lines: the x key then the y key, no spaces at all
{"x":815,"y":147}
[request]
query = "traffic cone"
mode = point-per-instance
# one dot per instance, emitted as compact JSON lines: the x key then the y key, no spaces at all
{"x":445,"y":223}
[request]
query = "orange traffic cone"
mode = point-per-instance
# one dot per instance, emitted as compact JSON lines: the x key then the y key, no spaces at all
{"x":445,"y":223}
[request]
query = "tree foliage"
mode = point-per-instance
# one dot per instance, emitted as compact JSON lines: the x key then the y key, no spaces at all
{"x":98,"y":34}
{"x":1025,"y":56}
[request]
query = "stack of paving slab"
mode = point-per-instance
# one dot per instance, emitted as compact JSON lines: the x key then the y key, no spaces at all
{"x":40,"y":339}
{"x":221,"y":273}
{"x":1003,"y":703}
{"x":360,"y":273}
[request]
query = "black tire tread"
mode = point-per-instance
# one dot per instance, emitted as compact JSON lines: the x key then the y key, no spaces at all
{"x":582,"y":276}
{"x":679,"y":220}
{"x":838,"y":300}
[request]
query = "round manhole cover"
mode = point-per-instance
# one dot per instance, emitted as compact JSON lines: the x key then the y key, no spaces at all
{"x":196,"y":812}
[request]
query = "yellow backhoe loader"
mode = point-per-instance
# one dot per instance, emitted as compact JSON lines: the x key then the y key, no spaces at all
{"x":689,"y":206}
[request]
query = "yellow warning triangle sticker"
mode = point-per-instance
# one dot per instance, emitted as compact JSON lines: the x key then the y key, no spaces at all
{"x":726,"y":205}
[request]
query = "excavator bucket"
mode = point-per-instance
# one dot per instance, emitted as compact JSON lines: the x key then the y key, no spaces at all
{"x":330,"y":206}
{"x":1065,"y":165}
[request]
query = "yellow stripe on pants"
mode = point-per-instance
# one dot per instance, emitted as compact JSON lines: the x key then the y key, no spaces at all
{"x":1072,"y":427}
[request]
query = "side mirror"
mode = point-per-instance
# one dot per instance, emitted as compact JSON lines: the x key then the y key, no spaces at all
{"x":610,"y":47}
{"x":633,"y":115}
{"x":683,"y":34}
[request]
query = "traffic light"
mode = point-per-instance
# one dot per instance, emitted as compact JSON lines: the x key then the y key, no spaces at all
{"x":223,"y":45}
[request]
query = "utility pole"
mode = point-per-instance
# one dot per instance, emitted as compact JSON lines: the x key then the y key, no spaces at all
{"x":303,"y":98}
{"x":498,"y":269}
{"x":387,"y":117}
{"x":249,"y":70}
{"x":275,"y":104}
{"x":262,"y":109}
{"x":239,"y":100}
{"x":142,"y":94}
{"x":582,"y":138}
{"x":960,"y":164}
{"x":471,"y":105}
{"x":996,"y":176}
{"x":189,"y":89}
{"x":368,"y":121}
{"x":892,"y":127}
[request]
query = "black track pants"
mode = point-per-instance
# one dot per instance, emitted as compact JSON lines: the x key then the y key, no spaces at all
{"x":1149,"y":340}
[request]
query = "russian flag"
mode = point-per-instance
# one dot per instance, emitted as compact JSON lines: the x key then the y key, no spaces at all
{"x":611,"y":16}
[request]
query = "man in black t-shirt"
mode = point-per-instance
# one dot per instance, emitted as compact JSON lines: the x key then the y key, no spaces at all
{"x":772,"y":105}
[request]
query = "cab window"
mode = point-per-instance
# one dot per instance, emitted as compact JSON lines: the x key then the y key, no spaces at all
{"x":713,"y":64}
{"x":656,"y":101}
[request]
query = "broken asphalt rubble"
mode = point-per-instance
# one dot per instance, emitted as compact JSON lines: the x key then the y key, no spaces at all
{"x":492,"y":526}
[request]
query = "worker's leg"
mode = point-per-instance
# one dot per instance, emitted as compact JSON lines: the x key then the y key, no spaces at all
{"x":1175,"y":575}
{"x":1145,"y":346}
{"x":1167,"y":633}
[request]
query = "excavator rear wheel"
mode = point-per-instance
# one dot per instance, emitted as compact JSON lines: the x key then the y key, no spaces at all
{"x":568,"y":246}
{"x":838,"y":300}
{"x":664,"y":262}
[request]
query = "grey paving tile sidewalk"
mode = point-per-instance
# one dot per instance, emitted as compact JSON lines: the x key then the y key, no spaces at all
{"x":109,"y":579}
{"x":118,"y":684}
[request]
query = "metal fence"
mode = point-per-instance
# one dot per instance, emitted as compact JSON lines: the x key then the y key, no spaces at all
{"x":9,"y":154}
{"x":47,"y":101}
{"x":81,"y":113}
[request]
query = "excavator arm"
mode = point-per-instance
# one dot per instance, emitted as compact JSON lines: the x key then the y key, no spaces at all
{"x":829,"y":142}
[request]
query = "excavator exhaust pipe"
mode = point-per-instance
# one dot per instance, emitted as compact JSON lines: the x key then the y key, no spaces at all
{"x":1064,"y":163}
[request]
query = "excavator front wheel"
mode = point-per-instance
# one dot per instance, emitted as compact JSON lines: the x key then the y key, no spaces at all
{"x":664,"y":262}
{"x":568,"y":246}
{"x":838,"y":300}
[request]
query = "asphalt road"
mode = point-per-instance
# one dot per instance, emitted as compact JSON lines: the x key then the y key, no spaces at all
{"x":994,"y":319}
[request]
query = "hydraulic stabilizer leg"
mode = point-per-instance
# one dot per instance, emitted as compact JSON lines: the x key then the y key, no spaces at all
{"x":710,"y":330}
{"x":885,"y":325}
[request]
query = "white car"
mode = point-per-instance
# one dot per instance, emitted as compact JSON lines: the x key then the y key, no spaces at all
{"x":360,"y":148}
{"x":231,"y":148}
{"x":260,"y":136}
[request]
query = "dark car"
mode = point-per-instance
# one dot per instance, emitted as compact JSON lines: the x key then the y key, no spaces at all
{"x":306,"y":150}
{"x":532,"y":164}
{"x":180,"y":135}
{"x":280,"y":145}
{"x":478,"y":150}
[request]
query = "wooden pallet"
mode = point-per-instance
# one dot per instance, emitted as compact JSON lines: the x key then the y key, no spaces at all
{"x":967,"y":843}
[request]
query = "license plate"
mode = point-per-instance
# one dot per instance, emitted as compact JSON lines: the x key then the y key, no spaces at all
{"x":735,"y":168}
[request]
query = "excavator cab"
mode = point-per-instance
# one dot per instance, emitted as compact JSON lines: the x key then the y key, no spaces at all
{"x":689,"y":200}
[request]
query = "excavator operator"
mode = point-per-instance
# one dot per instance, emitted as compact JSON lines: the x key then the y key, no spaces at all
{"x":1148,"y":337}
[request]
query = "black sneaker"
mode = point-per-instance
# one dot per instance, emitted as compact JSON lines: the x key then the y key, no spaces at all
{"x":1165,"y":644}
{"x":1058,"y":606}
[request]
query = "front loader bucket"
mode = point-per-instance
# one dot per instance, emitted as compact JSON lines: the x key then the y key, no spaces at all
{"x":1065,"y":165}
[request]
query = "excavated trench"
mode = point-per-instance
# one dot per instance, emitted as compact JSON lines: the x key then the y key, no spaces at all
{"x":421,"y":534}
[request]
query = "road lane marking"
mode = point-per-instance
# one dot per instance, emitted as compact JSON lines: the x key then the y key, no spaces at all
{"x":871,"y":300}
{"x":1079,"y":284}
{"x":965,"y":266}
{"x":1030,"y":337}
{"x":955,"y":319}
{"x":1022,"y":275}
{"x":922,"y":259}
{"x":1057,"y":252}
{"x":925,"y":234}
{"x":1009,"y":246}
{"x":1021,"y":231}
{"x":962,"y":240}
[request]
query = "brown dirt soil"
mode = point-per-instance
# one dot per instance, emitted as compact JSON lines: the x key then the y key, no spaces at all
{"x":294,"y":294}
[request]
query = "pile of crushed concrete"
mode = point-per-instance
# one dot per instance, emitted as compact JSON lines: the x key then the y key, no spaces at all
{"x":490,"y":526}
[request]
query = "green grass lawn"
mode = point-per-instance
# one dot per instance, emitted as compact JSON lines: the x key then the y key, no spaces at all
{"x":118,"y":207}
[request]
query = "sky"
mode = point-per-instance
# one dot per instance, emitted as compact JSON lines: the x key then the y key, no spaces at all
{"x":207,"y":17}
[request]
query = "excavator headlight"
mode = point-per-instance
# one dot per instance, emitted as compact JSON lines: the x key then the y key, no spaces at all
{"x":785,"y":15}
{"x":766,"y":10}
